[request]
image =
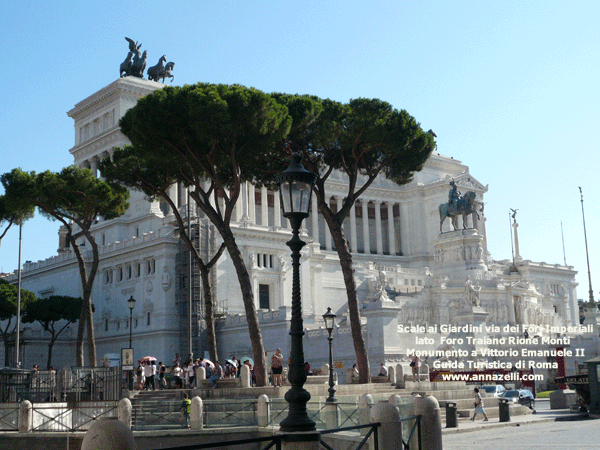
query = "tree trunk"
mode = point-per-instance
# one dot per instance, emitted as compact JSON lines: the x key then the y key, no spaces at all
{"x":79,"y":356}
{"x":258,"y":349}
{"x":211,"y":336}
{"x":91,"y":340}
{"x":50,"y":347}
{"x":360,"y":348}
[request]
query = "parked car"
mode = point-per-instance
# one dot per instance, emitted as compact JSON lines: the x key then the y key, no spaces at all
{"x":494,"y":390}
{"x":520,"y":396}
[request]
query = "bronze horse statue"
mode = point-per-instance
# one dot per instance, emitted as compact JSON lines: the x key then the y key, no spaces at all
{"x":155,"y":71}
{"x":138,"y":66}
{"x":463,"y":207}
{"x":160,"y":70}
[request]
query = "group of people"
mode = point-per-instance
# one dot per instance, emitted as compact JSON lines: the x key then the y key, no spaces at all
{"x":149,"y":376}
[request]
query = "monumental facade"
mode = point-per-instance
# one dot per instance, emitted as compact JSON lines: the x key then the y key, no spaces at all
{"x":414,"y":281}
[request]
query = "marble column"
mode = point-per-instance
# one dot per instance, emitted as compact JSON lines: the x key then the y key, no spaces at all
{"x":328,"y":244}
{"x":94,"y":165}
{"x":276,"y":210}
{"x":517,"y":254}
{"x":264,"y":206}
{"x":391,"y":229}
{"x":314,"y":217}
{"x":365,"y":218}
{"x":378,"y":233}
{"x":353,"y":237}
{"x":173,"y":192}
{"x":243,"y":202}
{"x":251,"y":203}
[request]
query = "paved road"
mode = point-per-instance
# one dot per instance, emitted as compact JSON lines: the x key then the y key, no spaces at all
{"x":583,"y":434}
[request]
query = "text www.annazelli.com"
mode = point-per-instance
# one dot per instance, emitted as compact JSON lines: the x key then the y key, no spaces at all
{"x":482,"y":377}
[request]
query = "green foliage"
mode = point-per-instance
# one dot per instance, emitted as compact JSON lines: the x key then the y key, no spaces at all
{"x":71,"y":194}
{"x":53,"y":309}
{"x":8,"y":300}
{"x":364,"y":137}
{"x":216,"y":131}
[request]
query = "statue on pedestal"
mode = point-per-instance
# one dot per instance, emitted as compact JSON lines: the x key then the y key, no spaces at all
{"x":457,"y":206}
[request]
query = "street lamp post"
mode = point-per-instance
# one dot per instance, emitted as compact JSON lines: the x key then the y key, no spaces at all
{"x":329,"y":319}
{"x":295,"y":189}
{"x":131,"y":303}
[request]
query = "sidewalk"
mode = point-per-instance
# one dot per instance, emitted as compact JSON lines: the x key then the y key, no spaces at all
{"x":543,"y":414}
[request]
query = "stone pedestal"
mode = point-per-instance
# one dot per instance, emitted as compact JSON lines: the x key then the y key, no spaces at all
{"x":382,"y":317}
{"x":457,"y":252}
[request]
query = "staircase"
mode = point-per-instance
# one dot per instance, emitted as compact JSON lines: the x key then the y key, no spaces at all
{"x":157,"y":410}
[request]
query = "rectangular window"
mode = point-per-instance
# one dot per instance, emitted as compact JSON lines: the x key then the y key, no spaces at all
{"x":120,"y":278}
{"x":148,"y":318}
{"x":129,"y":272}
{"x":105,"y":324}
{"x":263,"y":296}
{"x":138,"y":270}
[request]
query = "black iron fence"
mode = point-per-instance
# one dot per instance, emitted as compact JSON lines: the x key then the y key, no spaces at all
{"x":275,"y":441}
{"x":68,"y":384}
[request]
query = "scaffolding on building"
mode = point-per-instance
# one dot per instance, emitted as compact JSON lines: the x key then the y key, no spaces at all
{"x":204,"y":238}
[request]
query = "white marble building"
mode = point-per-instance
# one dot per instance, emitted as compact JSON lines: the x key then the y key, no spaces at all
{"x":407,"y":272}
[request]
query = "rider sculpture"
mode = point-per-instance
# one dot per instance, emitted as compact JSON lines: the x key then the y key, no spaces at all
{"x":457,"y":206}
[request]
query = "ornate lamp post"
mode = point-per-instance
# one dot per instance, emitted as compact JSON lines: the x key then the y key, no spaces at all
{"x":329,"y":319}
{"x":295,"y":189}
{"x":131,"y":304}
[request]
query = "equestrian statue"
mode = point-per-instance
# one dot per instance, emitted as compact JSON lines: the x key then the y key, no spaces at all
{"x":457,"y":206}
{"x":135,"y":64}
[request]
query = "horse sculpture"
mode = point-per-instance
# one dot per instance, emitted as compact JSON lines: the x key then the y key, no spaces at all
{"x":125,"y":68}
{"x":464,"y":207}
{"x":155,"y":71}
{"x":138,"y":66}
{"x":167,"y":73}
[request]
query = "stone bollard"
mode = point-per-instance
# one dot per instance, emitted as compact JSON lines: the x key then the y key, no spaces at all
{"x":325,"y":369}
{"x":392,"y":374}
{"x":364,"y":411}
{"x":25,"y":420}
{"x":245,"y":376}
{"x":263,"y":411}
{"x":394,"y":399}
{"x":196,"y":421}
{"x":200,"y":373}
{"x":400,"y":381}
{"x":424,"y":370}
{"x":431,"y":421}
{"x":108,"y":433}
{"x":124,"y":411}
{"x":390,"y":431}
{"x":331,"y":415}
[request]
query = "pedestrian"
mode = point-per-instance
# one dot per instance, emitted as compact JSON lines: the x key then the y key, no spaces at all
{"x":277,"y":367}
{"x":478,"y":406}
{"x":382,"y":370}
{"x":307,"y":368}
{"x":149,"y":374}
{"x":139,"y":373}
{"x":186,"y":408}
{"x":176,"y":360}
{"x":354,"y":370}
{"x":177,"y":372}
{"x":162,"y":370}
{"x":414,"y":365}
{"x":217,"y":374}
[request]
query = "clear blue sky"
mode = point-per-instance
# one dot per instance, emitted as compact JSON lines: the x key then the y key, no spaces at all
{"x":510,"y":88}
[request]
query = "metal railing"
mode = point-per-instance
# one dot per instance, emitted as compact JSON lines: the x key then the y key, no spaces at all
{"x":68,"y":417}
{"x":9,"y":417}
{"x":276,"y":440}
{"x":69,"y":384}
